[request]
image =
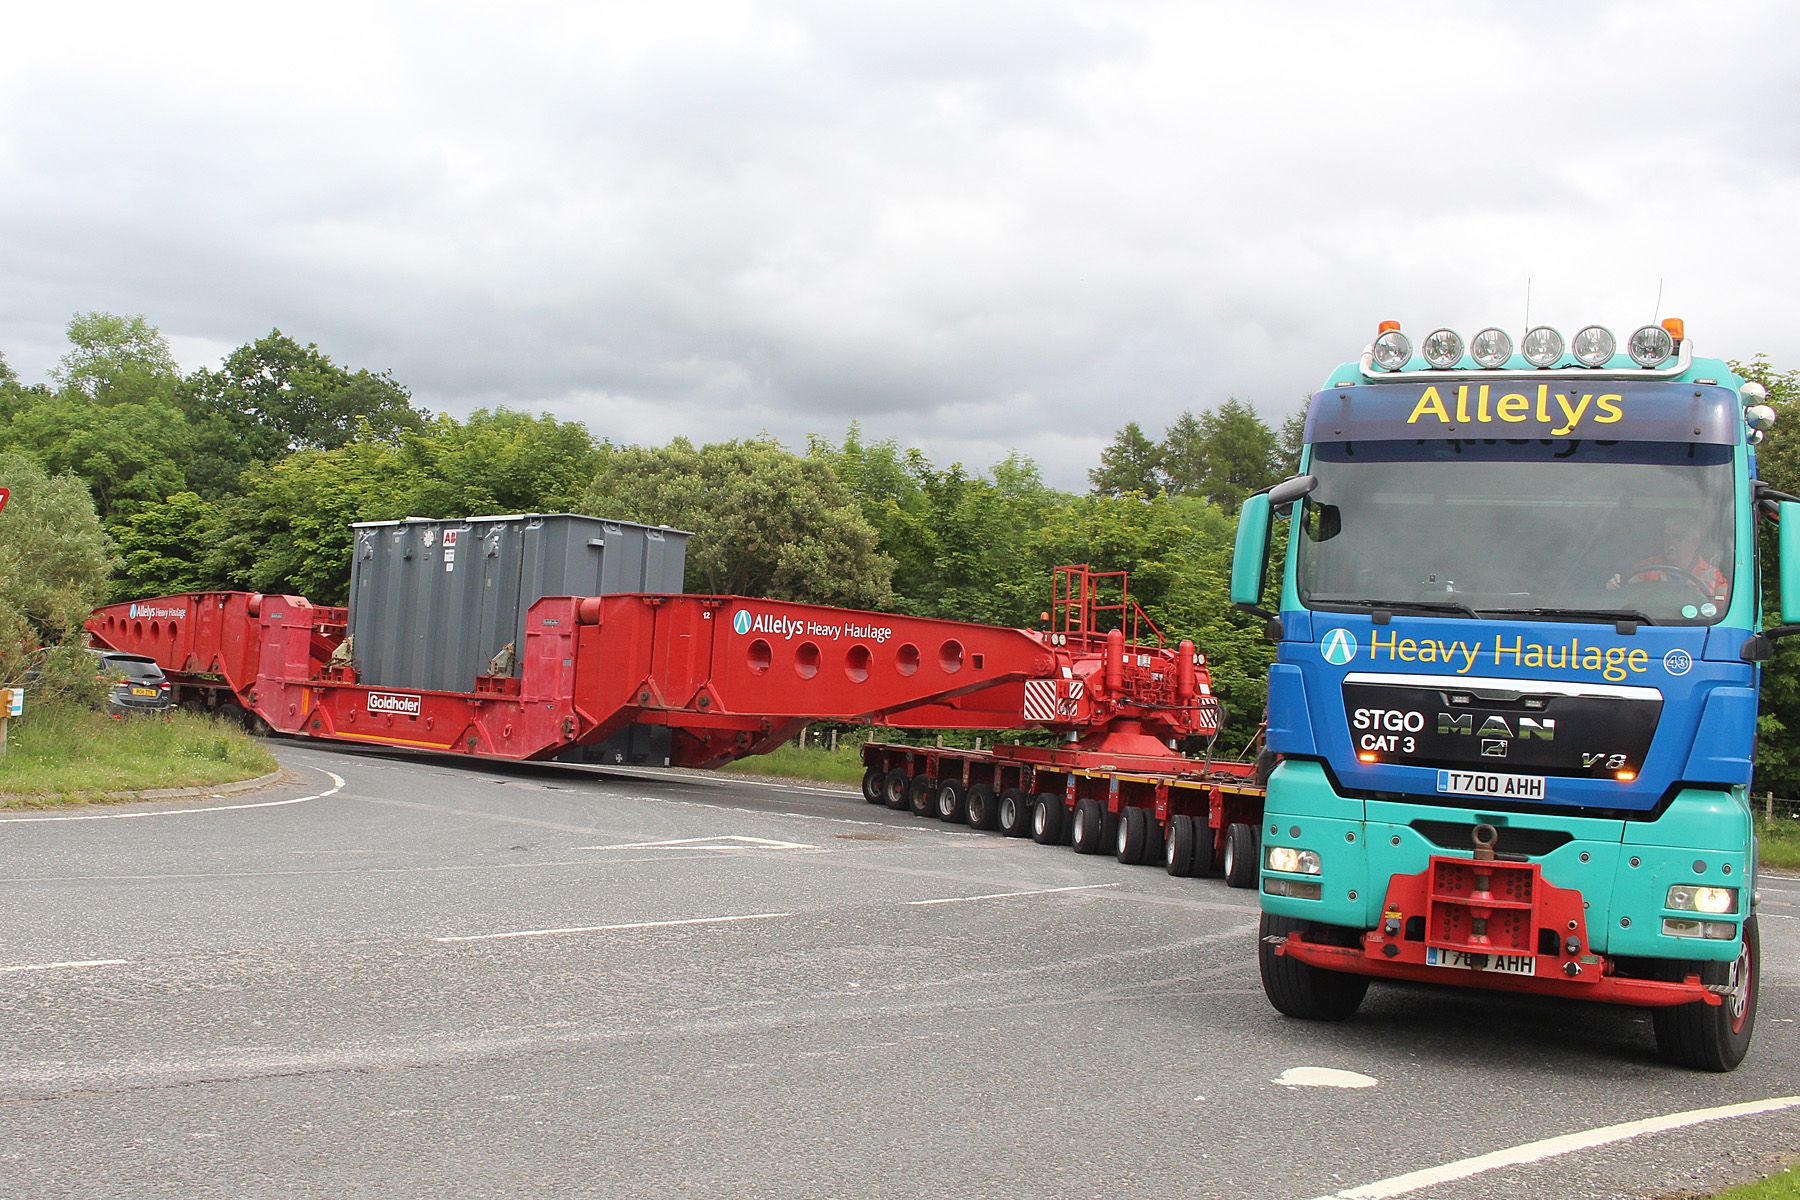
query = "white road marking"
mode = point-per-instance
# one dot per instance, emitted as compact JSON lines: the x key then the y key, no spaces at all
{"x":708,"y":843}
{"x":1325,"y":1077}
{"x":1086,"y":887}
{"x":521,"y":933}
{"x":89,"y":962}
{"x":1568,"y":1143}
{"x":182,"y":812}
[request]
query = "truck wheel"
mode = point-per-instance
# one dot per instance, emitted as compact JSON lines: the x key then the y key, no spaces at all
{"x":1013,"y":813}
{"x":1087,"y":830}
{"x":234,"y":713}
{"x":952,"y":801}
{"x":1128,"y":843}
{"x":893,"y":787}
{"x":921,"y":796}
{"x":1714,"y":1037}
{"x":1153,"y":839}
{"x":874,"y":785}
{"x":1047,"y":819}
{"x":1178,"y":848}
{"x":984,"y":812}
{"x":1203,"y":847}
{"x":1240,"y":856}
{"x":1300,"y":989}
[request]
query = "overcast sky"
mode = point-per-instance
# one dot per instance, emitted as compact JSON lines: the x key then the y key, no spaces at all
{"x":973,"y":226}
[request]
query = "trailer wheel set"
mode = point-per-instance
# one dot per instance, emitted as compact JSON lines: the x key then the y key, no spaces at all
{"x":1187,"y":826}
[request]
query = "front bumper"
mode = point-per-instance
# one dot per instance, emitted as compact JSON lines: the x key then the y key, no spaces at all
{"x":1502,"y":925}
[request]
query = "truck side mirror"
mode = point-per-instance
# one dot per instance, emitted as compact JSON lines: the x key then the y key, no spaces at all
{"x":1788,"y":540}
{"x":1250,"y":557}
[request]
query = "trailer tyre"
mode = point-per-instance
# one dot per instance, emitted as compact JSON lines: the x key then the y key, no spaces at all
{"x":952,"y":801}
{"x":1300,"y":989}
{"x":1088,"y":828}
{"x":1714,"y":1037}
{"x":1013,"y":813}
{"x":893,"y":787}
{"x":1240,"y":856}
{"x":1178,"y":851}
{"x":1047,"y":819}
{"x":921,"y":796}
{"x":983,"y":809}
{"x":1153,"y":839}
{"x":1204,"y":837}
{"x":1128,"y":843}
{"x":875,"y":785}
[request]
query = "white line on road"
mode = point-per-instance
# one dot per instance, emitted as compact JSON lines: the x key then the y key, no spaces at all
{"x":520,"y":933}
{"x":90,"y":962}
{"x":180,"y":812}
{"x":708,"y":843}
{"x":1568,"y":1143}
{"x":1086,"y":887}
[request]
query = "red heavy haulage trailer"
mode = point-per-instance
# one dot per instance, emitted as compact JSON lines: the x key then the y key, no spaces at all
{"x":730,"y":676}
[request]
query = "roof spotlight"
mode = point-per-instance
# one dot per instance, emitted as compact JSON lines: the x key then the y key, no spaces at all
{"x":1542,"y":347}
{"x":1443,"y":348}
{"x":1753,"y":392}
{"x":1650,"y":346}
{"x":1392,"y":350}
{"x":1491,"y":348}
{"x":1593,"y":346}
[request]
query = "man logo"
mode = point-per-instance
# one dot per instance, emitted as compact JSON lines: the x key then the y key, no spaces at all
{"x":741,"y":622}
{"x":1340,"y":647}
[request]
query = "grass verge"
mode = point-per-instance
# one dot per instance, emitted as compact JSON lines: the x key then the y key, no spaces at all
{"x":1778,"y":842}
{"x":1783,"y":1185}
{"x":60,"y":755}
{"x":843,"y":765}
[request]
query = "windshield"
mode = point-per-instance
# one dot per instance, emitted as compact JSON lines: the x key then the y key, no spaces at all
{"x":1573,"y":528}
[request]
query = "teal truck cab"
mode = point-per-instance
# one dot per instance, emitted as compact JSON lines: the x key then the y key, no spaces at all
{"x":1515,"y":695}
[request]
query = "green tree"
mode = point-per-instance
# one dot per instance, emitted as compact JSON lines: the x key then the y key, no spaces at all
{"x":163,"y":548}
{"x":1132,"y":463}
{"x":1292,"y":437}
{"x":128,"y":452}
{"x":766,"y":522}
{"x":54,"y":563}
{"x":499,"y":462}
{"x":273,"y":396}
{"x":1236,"y":454}
{"x":113,"y":357}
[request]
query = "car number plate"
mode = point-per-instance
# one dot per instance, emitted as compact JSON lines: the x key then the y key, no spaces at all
{"x":1503,"y":964}
{"x":1487,"y":783}
{"x":138,"y":691}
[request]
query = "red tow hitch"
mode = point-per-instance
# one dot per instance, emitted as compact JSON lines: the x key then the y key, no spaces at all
{"x":1483,"y":923}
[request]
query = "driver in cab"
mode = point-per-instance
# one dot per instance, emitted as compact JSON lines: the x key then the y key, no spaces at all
{"x":1679,"y":561}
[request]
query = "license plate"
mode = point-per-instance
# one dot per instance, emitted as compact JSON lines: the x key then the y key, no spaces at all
{"x":1487,"y":783}
{"x":138,"y":691}
{"x":1503,"y":964}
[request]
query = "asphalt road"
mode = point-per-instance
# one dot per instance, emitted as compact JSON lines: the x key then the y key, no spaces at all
{"x":447,"y":978}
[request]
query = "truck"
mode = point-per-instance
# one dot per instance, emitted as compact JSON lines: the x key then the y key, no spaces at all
{"x":1519,"y":630}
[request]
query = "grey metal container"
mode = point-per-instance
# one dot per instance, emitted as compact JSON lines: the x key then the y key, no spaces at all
{"x":432,"y":603}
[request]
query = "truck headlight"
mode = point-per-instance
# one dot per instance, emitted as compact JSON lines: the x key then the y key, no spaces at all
{"x":1490,"y":348}
{"x":1651,"y":346}
{"x":1542,"y":347}
{"x":1393,"y":350}
{"x":1593,"y":346}
{"x":1290,"y":861}
{"x":1711,"y":900}
{"x":1718,"y":931}
{"x":1443,"y":348}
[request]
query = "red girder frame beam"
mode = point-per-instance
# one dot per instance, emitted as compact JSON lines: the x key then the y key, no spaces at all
{"x":732,"y":676}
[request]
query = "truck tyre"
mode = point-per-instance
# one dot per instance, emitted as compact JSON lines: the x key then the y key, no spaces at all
{"x":1203,"y":847}
{"x":1300,"y":989}
{"x":1013,"y":813}
{"x":1128,"y":843}
{"x":1153,"y":839}
{"x":1178,"y":849}
{"x":1240,"y":856}
{"x":952,"y":801}
{"x":921,"y":796}
{"x":982,"y":809}
{"x":875,"y":785}
{"x":1088,"y":829}
{"x":1714,"y":1037}
{"x":893,"y":787}
{"x":234,"y":712}
{"x":1047,"y":819}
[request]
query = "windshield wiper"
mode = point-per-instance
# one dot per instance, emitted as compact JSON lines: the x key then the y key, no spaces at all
{"x":1422,"y":606}
{"x":1618,"y":615}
